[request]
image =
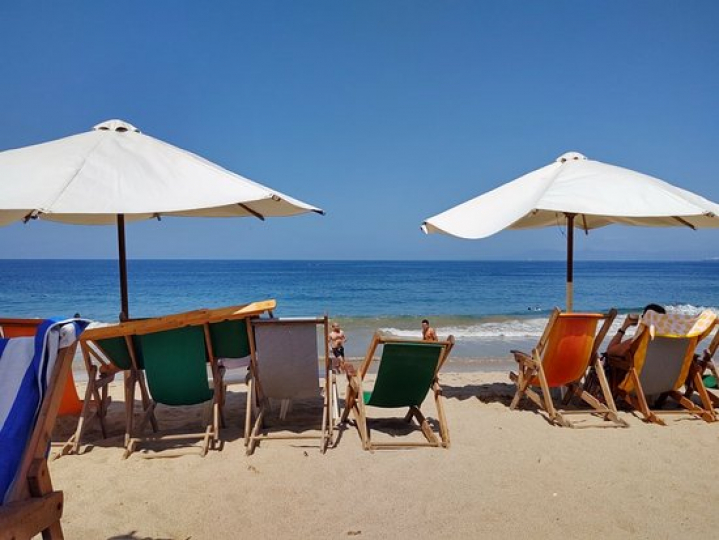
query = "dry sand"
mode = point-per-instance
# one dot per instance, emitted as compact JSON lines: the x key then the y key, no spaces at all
{"x":507,"y":474}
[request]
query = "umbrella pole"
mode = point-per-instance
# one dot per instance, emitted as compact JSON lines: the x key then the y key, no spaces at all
{"x":570,"y":261}
{"x":124,"y":307}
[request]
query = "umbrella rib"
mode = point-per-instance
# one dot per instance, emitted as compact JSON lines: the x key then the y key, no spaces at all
{"x":684,"y":222}
{"x":75,"y":175}
{"x":251,"y":211}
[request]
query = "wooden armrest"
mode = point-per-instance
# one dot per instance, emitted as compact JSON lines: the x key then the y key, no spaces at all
{"x":25,"y":519}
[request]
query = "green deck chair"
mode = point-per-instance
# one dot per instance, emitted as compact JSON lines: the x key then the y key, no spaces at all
{"x":175,"y":362}
{"x":408,"y":370}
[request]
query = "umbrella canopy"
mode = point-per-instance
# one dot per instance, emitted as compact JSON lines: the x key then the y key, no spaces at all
{"x":576,"y":192}
{"x":116,"y":173}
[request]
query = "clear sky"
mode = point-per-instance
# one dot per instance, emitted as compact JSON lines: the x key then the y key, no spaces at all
{"x":381,"y":112}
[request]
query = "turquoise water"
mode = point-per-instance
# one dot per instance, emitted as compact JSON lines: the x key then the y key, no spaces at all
{"x":490,"y":307}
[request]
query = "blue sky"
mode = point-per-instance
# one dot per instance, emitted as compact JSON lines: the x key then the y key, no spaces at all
{"x":382,"y":113}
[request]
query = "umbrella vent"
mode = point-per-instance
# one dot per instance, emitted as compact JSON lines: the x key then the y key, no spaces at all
{"x":571,"y":156}
{"x":116,"y":125}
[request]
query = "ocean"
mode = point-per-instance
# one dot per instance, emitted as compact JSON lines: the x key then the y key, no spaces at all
{"x":489,"y":306}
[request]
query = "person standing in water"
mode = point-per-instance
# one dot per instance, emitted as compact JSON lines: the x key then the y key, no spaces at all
{"x":428,"y":333}
{"x":337,"y":340}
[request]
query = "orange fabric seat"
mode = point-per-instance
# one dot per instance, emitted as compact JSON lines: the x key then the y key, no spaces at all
{"x":561,"y":359}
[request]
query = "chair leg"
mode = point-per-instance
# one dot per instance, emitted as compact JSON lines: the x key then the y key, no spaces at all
{"x":361,"y":419}
{"x":705,"y":397}
{"x":248,"y":410}
{"x":145,"y":394}
{"x":640,"y":401}
{"x":255,"y":431}
{"x":424,"y":426}
{"x":443,"y":428}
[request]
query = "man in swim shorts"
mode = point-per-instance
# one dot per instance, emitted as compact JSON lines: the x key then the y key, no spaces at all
{"x":337,"y":340}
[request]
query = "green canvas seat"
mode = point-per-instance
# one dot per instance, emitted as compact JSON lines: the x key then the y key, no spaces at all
{"x":408,"y":371}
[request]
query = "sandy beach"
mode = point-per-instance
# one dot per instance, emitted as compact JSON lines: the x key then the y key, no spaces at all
{"x":507,"y":474}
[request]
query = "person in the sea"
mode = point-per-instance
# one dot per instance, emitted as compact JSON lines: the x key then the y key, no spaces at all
{"x":619,"y":346}
{"x":337,"y":340}
{"x":428,"y":333}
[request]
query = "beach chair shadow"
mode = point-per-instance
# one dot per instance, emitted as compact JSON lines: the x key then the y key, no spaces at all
{"x":501,"y":393}
{"x":28,"y":503}
{"x":661,"y":362}
{"x":407,"y":372}
{"x":565,"y":352}
{"x":132,"y":535}
{"x":285,"y":370}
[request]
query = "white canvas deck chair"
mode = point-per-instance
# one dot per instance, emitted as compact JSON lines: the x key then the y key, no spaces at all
{"x":286,"y":366}
{"x":662,"y":358}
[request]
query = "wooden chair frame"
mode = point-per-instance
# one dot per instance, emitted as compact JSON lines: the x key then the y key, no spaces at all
{"x":354,"y":401}
{"x":258,"y":405}
{"x":531,"y":367}
{"x":693,"y":381}
{"x":33,"y":506}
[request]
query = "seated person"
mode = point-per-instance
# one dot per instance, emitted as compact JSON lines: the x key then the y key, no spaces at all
{"x":619,"y":346}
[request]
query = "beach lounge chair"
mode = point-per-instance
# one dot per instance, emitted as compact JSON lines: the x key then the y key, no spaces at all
{"x":176,"y":350}
{"x":122,"y":345}
{"x":33,"y":371}
{"x":285,"y":367}
{"x":561,"y":359}
{"x":407,"y":372}
{"x":661,"y":360}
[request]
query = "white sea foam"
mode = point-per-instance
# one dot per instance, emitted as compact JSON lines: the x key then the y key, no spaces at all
{"x":517,"y":329}
{"x":509,"y":329}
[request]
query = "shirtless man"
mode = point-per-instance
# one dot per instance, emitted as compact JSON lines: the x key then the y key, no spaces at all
{"x":337,"y":340}
{"x":428,"y":333}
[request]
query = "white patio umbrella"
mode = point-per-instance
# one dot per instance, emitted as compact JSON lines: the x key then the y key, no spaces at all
{"x":115,"y":174}
{"x":576,"y":192}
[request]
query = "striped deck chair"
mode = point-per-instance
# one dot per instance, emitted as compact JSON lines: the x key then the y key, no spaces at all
{"x":33,"y":371}
{"x":407,"y":372}
{"x":662,"y":358}
{"x":96,"y":401}
{"x":565,"y":352}
{"x":285,"y":367}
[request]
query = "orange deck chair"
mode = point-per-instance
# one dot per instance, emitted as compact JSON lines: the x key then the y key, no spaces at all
{"x":561,"y":359}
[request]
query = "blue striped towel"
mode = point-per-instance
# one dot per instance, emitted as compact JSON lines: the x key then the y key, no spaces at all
{"x":26,"y":364}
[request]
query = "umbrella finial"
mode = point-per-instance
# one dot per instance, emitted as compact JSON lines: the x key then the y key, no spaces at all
{"x":571,"y":156}
{"x":116,"y":125}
